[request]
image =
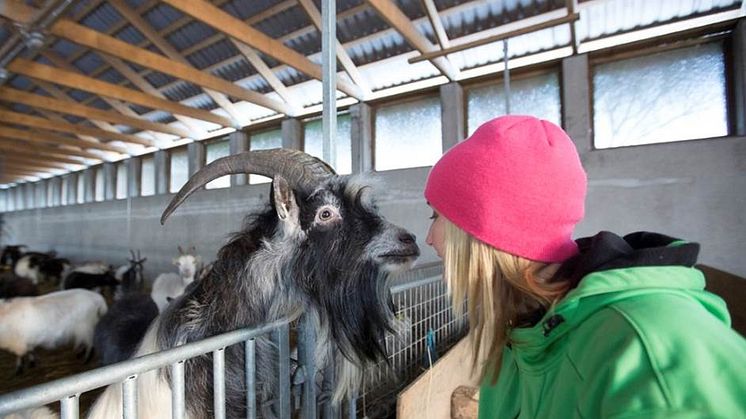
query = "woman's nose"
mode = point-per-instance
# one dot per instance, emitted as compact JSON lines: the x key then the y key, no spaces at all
{"x":429,"y":238}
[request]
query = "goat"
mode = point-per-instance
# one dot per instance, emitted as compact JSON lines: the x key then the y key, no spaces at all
{"x":35,"y":413}
{"x":12,"y":286}
{"x":321,"y":248}
{"x":168,"y":286}
{"x":90,"y":281}
{"x":41,"y":266}
{"x":121,"y":329}
{"x":49,"y":321}
{"x":96,"y":267}
{"x":131,"y":275}
{"x":11,"y":254}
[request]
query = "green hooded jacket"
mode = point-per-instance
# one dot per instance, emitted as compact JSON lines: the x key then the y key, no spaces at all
{"x":638,"y":337}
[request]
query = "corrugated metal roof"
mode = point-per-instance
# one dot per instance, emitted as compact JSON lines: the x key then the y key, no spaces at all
{"x":161,"y":16}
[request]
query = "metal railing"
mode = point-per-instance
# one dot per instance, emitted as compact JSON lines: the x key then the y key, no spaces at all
{"x":428,"y":329}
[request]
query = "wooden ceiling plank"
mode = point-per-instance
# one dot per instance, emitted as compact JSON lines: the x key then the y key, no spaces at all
{"x":398,"y":20}
{"x":77,"y":81}
{"x":256,"y":61}
{"x":37,"y":154}
{"x":109,"y":45}
{"x":73,"y":108}
{"x":36,"y":122}
{"x":23,"y":162}
{"x":436,"y":23}
{"x":150,"y":33}
{"x":49,"y":148}
{"x":146,"y":87}
{"x":235,"y":28}
{"x":47,"y":137}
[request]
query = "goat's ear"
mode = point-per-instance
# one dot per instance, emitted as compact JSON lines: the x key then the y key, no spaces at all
{"x":285,"y":205}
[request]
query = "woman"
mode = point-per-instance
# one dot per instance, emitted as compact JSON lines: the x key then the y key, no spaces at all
{"x":605,"y":327}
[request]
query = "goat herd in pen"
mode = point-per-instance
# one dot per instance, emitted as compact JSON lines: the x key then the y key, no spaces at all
{"x":320,"y":249}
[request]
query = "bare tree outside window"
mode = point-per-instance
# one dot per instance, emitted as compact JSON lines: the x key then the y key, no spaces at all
{"x":670,"y":96}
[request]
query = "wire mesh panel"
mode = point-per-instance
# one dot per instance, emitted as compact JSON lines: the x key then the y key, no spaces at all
{"x":427,"y":328}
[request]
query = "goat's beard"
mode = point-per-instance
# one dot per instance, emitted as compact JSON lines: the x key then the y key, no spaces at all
{"x":358,"y":308}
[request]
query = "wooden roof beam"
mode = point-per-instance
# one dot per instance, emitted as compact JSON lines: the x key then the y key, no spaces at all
{"x":436,"y":23}
{"x":315,"y":15}
{"x":73,"y":108}
{"x":141,"y":25}
{"x":121,"y":107}
{"x":98,"y":87}
{"x":398,"y":20}
{"x":19,"y":161}
{"x":36,"y":122}
{"x":235,"y":28}
{"x":37,"y":136}
{"x":49,"y":149}
{"x":36,"y":154}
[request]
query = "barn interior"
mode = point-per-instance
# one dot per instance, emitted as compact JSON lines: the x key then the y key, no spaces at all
{"x":108,"y":107}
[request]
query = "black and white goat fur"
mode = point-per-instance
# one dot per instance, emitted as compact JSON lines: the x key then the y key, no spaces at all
{"x":321,"y":248}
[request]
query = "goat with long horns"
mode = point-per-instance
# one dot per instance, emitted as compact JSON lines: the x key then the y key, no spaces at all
{"x":321,"y":248}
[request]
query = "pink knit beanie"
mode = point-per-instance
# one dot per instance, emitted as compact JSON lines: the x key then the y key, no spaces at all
{"x":516,"y":184}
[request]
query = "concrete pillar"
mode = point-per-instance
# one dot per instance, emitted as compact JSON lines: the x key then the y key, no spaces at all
{"x":576,"y":102}
{"x":134,"y":177}
{"x":72,"y":189}
{"x":739,"y":77}
{"x":453,"y":114}
{"x":89,"y":185}
{"x":197,"y":155}
{"x":361,"y":137}
{"x":3,"y":200}
{"x":162,"y":162}
{"x":292,"y":134}
{"x":110,"y":181}
{"x":238,"y":142}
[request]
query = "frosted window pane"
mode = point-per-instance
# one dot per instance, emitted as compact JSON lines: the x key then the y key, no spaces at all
{"x":147,"y":177}
{"x":50,"y":193}
{"x":263,"y":141}
{"x":408,"y":134}
{"x":63,"y":193}
{"x":99,"y":173}
{"x":214,"y":152}
{"x":121,"y":180}
{"x":538,"y":96}
{"x":81,"y":188}
{"x":670,"y":96}
{"x":3,"y":201}
{"x":179,"y":169}
{"x":313,"y":136}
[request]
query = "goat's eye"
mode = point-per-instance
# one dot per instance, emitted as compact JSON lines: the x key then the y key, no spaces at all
{"x":326,"y":214}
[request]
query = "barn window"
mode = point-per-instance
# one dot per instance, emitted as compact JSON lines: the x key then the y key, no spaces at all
{"x":536,"y":95}
{"x":408,"y":134}
{"x":214,"y":151}
{"x":263,"y":141}
{"x":179,"y":168}
{"x":669,"y":96}
{"x":147,"y":176}
{"x":313,"y":136}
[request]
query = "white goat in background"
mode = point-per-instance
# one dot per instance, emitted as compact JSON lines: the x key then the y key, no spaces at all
{"x":49,"y":321}
{"x":168,"y":286}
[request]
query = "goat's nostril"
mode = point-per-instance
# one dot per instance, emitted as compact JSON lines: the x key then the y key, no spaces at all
{"x":407,"y":238}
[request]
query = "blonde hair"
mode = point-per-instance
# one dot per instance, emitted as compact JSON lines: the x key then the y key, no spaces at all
{"x":496,"y":288}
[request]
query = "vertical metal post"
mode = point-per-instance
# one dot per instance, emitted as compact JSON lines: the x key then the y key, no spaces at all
{"x":218,"y":384}
{"x":69,"y":407}
{"x":327,"y":386}
{"x":352,"y":407}
{"x":329,"y":80}
{"x":506,"y":77}
{"x":177,"y":390}
{"x":129,"y":397}
{"x":283,"y":344}
{"x":306,"y":347}
{"x":250,"y":355}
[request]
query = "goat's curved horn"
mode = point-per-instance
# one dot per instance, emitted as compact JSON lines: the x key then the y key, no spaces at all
{"x":301,"y":170}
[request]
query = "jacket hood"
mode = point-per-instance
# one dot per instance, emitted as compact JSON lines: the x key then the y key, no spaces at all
{"x":610,"y":269}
